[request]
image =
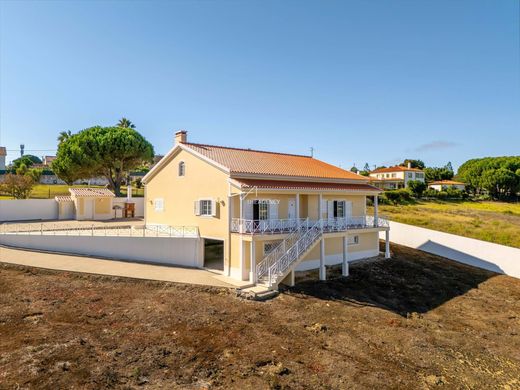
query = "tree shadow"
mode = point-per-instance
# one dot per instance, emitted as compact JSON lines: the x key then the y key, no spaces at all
{"x":411,"y":281}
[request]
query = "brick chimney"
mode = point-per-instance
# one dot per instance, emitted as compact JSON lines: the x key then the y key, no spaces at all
{"x":181,"y":136}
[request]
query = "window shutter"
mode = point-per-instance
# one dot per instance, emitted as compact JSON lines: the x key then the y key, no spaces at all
{"x":330,"y":209}
{"x":214,"y":206}
{"x":248,"y":212}
{"x":197,"y":207}
{"x":273,"y":210}
{"x":348,"y":208}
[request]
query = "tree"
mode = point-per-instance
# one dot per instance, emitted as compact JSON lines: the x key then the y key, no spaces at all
{"x":18,"y":186}
{"x":414,"y":163}
{"x":125,"y":123}
{"x":366,"y":168}
{"x":354,"y":169}
{"x":27,"y":160}
{"x":111,"y":152}
{"x":417,"y":187}
{"x":63,"y":136}
{"x":35,"y":174}
{"x":497,"y":176}
{"x":435,"y":174}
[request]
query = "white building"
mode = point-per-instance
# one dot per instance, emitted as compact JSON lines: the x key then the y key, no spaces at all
{"x":443,"y":185}
{"x":395,"y":177}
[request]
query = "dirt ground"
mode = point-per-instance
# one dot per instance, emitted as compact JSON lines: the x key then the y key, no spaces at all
{"x":415,"y":321}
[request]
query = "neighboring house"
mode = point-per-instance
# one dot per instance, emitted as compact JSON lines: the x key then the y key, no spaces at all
{"x":3,"y":153}
{"x":443,"y":185}
{"x":395,"y":177}
{"x":86,"y":204}
{"x":261,"y":214}
{"x":47,"y":160}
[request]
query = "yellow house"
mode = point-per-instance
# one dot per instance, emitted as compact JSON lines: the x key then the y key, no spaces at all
{"x":86,"y":204}
{"x":263,"y":215}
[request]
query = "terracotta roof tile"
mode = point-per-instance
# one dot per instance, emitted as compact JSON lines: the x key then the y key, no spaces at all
{"x":248,"y":161}
{"x":63,"y":198}
{"x":91,"y":192}
{"x":397,"y":168}
{"x":447,"y":182}
{"x":304,"y":185}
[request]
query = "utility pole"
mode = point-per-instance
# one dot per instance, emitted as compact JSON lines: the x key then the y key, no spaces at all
{"x":22,"y":147}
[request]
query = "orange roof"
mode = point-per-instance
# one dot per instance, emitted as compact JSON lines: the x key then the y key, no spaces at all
{"x":447,"y":182}
{"x":396,"y":168}
{"x":305,"y":185}
{"x":248,"y":161}
{"x":91,"y":192}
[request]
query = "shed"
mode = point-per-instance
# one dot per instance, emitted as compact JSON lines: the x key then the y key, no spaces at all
{"x":92,"y":203}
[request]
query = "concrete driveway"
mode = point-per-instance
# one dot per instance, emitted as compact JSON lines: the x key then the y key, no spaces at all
{"x":99,"y":266}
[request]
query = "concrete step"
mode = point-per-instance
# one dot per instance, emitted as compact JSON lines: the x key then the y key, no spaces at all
{"x":257,"y":293}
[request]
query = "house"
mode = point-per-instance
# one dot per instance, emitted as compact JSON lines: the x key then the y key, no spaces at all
{"x":395,"y":177}
{"x":86,"y":204}
{"x":262,"y":215}
{"x":442,"y":185}
{"x":3,"y":153}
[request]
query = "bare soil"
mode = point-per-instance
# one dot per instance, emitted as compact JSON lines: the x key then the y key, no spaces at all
{"x":415,"y":321}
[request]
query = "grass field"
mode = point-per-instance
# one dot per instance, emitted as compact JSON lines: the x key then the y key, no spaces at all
{"x":49,"y":191}
{"x":496,"y":222}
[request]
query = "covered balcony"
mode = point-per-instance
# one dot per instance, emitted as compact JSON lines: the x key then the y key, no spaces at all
{"x":329,"y":225}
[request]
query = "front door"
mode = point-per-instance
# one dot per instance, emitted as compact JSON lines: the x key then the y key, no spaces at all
{"x":291,"y":212}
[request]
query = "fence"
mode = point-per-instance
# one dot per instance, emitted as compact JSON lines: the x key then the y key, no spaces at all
{"x":482,"y":254}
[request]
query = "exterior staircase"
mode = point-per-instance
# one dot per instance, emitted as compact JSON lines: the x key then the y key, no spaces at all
{"x":287,"y":255}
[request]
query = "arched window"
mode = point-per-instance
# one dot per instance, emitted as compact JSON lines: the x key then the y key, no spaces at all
{"x":182,"y":168}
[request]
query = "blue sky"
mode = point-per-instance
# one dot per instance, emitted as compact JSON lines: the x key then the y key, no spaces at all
{"x":360,"y":81}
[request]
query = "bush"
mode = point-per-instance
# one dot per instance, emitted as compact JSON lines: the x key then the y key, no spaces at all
{"x":402,"y":196}
{"x":417,"y":187}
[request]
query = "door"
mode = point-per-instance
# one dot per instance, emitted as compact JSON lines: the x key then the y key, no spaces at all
{"x":89,"y":208}
{"x":291,"y":211}
{"x":214,"y":254}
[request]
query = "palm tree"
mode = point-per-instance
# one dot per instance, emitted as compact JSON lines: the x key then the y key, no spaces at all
{"x":123,"y":122}
{"x":64,"y":135}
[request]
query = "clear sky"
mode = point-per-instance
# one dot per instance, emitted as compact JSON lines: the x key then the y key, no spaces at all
{"x":360,"y":81}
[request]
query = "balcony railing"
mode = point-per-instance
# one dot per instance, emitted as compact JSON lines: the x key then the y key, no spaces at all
{"x":280,"y":226}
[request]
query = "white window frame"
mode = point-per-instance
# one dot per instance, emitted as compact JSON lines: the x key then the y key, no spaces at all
{"x":209,"y":207}
{"x":353,"y":240}
{"x":158,"y":205}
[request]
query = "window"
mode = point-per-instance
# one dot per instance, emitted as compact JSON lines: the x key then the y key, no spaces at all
{"x":419,"y":175}
{"x":263,"y":211}
{"x":270,"y":246}
{"x":410,"y":175}
{"x":393,"y":175}
{"x":353,"y":240}
{"x":182,"y":168}
{"x":158,"y":204}
{"x":205,"y":207}
{"x":339,"y":209}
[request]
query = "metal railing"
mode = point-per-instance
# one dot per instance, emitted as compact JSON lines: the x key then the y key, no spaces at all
{"x":280,"y":265}
{"x":281,"y":226}
{"x":266,"y":226}
{"x":61,"y":229}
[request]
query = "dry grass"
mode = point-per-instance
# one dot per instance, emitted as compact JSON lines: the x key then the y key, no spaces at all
{"x":49,"y":191}
{"x":496,"y":222}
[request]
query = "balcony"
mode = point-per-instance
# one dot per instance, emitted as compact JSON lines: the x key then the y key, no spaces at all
{"x":281,"y":226}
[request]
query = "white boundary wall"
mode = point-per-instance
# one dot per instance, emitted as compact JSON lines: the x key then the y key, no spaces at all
{"x":28,"y":209}
{"x":36,"y":209}
{"x":482,"y":254}
{"x":185,"y":252}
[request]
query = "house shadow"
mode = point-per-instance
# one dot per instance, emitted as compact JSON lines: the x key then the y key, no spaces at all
{"x":411,"y":281}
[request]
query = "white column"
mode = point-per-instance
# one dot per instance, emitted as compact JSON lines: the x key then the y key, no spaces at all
{"x":320,"y":200}
{"x":298,"y":207}
{"x":323,"y":271}
{"x":345,"y":256}
{"x":241,"y":227}
{"x":376,"y":203}
{"x":291,"y":278}
{"x":252,"y":271}
{"x":242,"y":259}
{"x":387,"y":244}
